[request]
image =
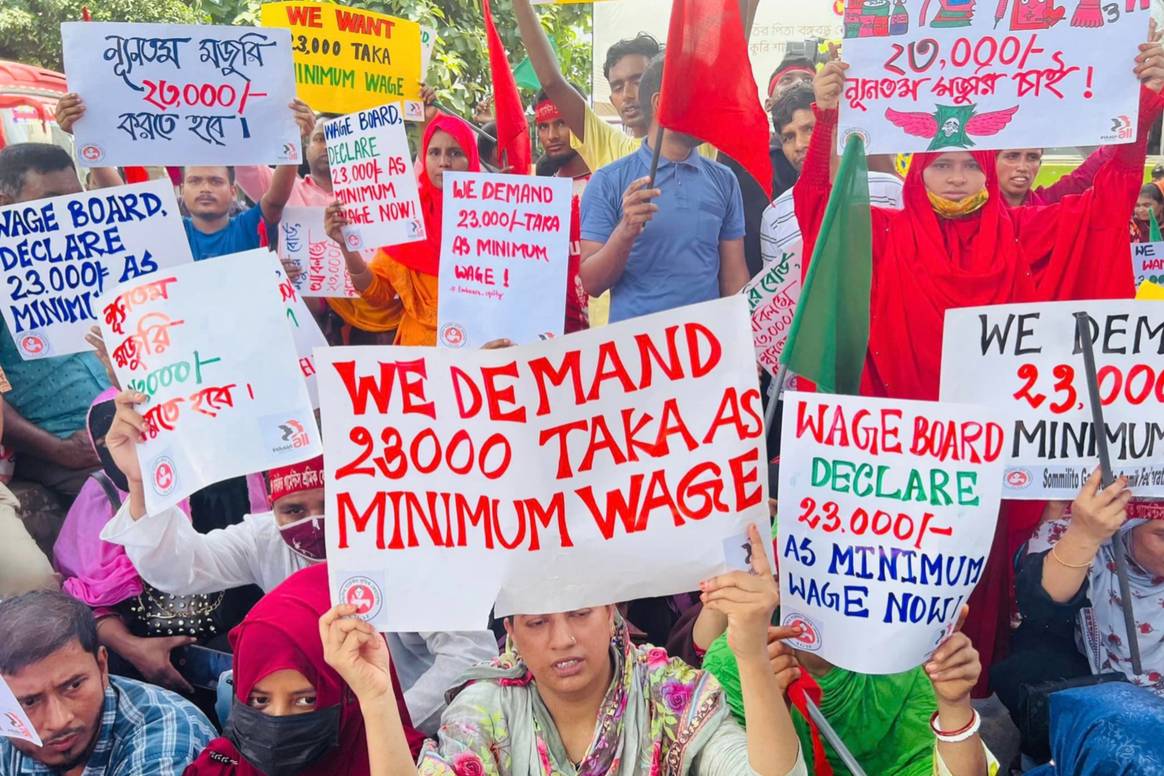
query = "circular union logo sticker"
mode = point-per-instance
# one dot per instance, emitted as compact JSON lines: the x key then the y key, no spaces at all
{"x":92,"y":153}
{"x":809,"y":638}
{"x":364,"y":594}
{"x":165,"y":477}
{"x":453,"y":335}
{"x":33,"y":344}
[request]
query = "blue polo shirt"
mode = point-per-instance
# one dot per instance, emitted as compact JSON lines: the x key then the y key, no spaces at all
{"x":241,"y":234}
{"x":675,"y":260}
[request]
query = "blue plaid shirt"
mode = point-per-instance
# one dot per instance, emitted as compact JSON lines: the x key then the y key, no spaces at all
{"x":145,"y":731}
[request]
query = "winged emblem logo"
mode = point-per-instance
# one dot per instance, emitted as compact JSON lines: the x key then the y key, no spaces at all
{"x":951,"y":126}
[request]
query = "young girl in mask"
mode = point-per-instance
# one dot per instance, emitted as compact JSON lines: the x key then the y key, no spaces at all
{"x":292,"y":714}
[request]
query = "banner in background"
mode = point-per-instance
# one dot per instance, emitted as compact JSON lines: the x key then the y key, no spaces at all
{"x":323,"y":270}
{"x":1148,"y":262}
{"x":349,"y":59}
{"x":772,"y":299}
{"x":1025,"y":360}
{"x":613,"y":464}
{"x":505,"y":255}
{"x":209,"y":344}
{"x":181,"y":94}
{"x":987,"y":76}
{"x":59,"y":255}
{"x":887,"y":513}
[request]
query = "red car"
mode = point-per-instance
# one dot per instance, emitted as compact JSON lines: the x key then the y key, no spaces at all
{"x":28,"y":99}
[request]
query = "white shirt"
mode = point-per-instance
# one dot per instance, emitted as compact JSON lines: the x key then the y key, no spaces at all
{"x":173,"y":557}
{"x":780,"y":231}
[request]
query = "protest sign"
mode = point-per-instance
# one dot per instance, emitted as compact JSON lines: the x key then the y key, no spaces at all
{"x":208,"y":343}
{"x":372,"y":175}
{"x":59,"y":255}
{"x":1025,"y":360}
{"x":614,"y":464}
{"x":348,"y":59}
{"x":772,"y":299}
{"x":1148,"y":262}
{"x":14,"y":722}
{"x":323,"y":270}
{"x":181,"y":94}
{"x":1149,"y":291}
{"x":304,"y":330}
{"x":986,"y":77}
{"x":505,"y":253}
{"x":887,"y":513}
{"x":428,"y":41}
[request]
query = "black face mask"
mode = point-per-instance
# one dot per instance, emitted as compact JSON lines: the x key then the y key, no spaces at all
{"x":282,"y":746}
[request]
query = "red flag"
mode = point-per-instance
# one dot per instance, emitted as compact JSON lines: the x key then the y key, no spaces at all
{"x":708,"y":88}
{"x":513,"y":148}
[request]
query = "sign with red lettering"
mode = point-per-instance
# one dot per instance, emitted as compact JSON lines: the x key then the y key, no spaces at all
{"x":772,"y":297}
{"x":59,"y":255}
{"x":887,"y":513}
{"x":304,"y":329}
{"x":181,"y":94}
{"x":372,"y":175}
{"x":505,"y":254}
{"x":612,"y":464}
{"x":322,"y":268}
{"x":1148,"y":262}
{"x":209,"y":344}
{"x":959,"y":74}
{"x":1025,"y":360}
{"x":14,"y":721}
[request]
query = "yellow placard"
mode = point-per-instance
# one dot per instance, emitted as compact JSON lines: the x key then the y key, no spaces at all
{"x":349,"y":59}
{"x":1150,"y":291}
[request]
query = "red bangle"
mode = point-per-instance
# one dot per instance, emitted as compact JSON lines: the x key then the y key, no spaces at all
{"x":953,"y":733}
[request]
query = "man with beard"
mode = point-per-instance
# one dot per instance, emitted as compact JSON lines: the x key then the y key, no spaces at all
{"x":88,"y":721}
{"x":1018,"y":168}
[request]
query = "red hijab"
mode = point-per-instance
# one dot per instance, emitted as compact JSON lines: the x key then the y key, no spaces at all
{"x":282,"y":632}
{"x":425,"y":256}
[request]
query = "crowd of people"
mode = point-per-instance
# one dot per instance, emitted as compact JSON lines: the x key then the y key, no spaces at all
{"x":202,"y":638}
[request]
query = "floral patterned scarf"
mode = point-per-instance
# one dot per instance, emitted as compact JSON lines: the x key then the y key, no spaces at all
{"x":657,"y":715}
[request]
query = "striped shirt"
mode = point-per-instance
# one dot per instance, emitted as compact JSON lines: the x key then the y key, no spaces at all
{"x":780,"y":231}
{"x":145,"y":731}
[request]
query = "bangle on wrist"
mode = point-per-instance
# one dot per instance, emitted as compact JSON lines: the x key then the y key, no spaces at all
{"x":1061,"y":562}
{"x":956,"y":736}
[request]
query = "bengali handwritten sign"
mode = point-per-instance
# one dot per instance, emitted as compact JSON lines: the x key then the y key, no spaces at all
{"x":210,"y":346}
{"x":323,"y":270}
{"x":1148,"y":262}
{"x":372,"y":175}
{"x":986,"y":76}
{"x":58,"y":255}
{"x":349,"y":59}
{"x":181,"y":94}
{"x":772,"y":297}
{"x":305,"y":330}
{"x":14,"y":721}
{"x":887,"y":513}
{"x":505,"y":251}
{"x":1025,"y":360}
{"x":610,"y":465}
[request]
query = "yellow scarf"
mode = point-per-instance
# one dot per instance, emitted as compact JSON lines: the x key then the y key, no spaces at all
{"x":947,"y":208}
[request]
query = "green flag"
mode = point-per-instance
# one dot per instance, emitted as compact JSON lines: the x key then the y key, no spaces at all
{"x":830,"y":332}
{"x":1154,"y":227}
{"x":524,"y":73}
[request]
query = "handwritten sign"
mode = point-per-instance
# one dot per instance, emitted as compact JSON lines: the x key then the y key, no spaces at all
{"x":887,"y":512}
{"x":348,"y":59}
{"x":14,"y":722}
{"x":1025,"y":360}
{"x":985,"y":76}
{"x":1148,"y":262}
{"x":210,"y":345}
{"x":505,"y":248}
{"x":772,"y":297}
{"x":305,"y":330}
{"x":609,"y":465}
{"x":181,"y":94}
{"x":302,"y":239}
{"x":428,"y":41}
{"x":60,"y":254}
{"x":372,"y":175}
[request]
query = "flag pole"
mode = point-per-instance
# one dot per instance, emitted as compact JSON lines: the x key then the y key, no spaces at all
{"x":1083,"y":334}
{"x":658,"y":149}
{"x":834,"y":738}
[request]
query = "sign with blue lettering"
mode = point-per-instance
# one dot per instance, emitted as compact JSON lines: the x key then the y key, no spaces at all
{"x":59,"y":255}
{"x":887,"y":514}
{"x":182,"y":94}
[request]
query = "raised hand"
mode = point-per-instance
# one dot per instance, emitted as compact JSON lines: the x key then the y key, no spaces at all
{"x":829,"y":84}
{"x":1099,"y":512}
{"x":69,"y":111}
{"x":127,"y":431}
{"x":357,"y":652}
{"x":747,"y":599}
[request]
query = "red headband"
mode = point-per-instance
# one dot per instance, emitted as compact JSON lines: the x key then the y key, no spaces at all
{"x":546,"y":112}
{"x":289,"y":480}
{"x":784,"y":71}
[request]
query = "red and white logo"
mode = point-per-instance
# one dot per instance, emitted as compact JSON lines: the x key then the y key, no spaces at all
{"x":364,"y":594}
{"x":33,"y":344}
{"x":354,"y":241}
{"x":165,"y":476}
{"x":809,"y":638}
{"x":453,"y":335}
{"x":1018,"y":478}
{"x":92,"y":153}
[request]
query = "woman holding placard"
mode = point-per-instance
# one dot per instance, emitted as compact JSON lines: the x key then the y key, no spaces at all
{"x":410,"y":271}
{"x":572,"y":695}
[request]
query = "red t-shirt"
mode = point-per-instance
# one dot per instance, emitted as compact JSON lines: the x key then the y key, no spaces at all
{"x":577,"y":300}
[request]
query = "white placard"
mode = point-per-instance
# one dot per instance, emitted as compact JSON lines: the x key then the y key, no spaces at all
{"x":323,"y":271}
{"x":210,"y":345}
{"x":14,"y":723}
{"x":304,"y":330}
{"x":60,"y":254}
{"x":1008,"y":74}
{"x":505,"y":255}
{"x":1148,"y":263}
{"x":182,"y":94}
{"x":1024,"y":360}
{"x":373,"y":176}
{"x":613,"y":464}
{"x":887,"y":513}
{"x":772,"y":297}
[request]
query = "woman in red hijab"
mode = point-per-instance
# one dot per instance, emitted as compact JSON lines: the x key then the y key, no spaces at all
{"x":410,"y":271}
{"x":292,"y":715}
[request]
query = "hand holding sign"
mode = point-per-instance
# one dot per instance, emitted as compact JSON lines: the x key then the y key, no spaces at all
{"x":127,"y":430}
{"x":357,"y":653}
{"x":829,"y":84}
{"x":954,"y":669}
{"x":747,"y":599}
{"x":1150,"y":61}
{"x":1099,"y":512}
